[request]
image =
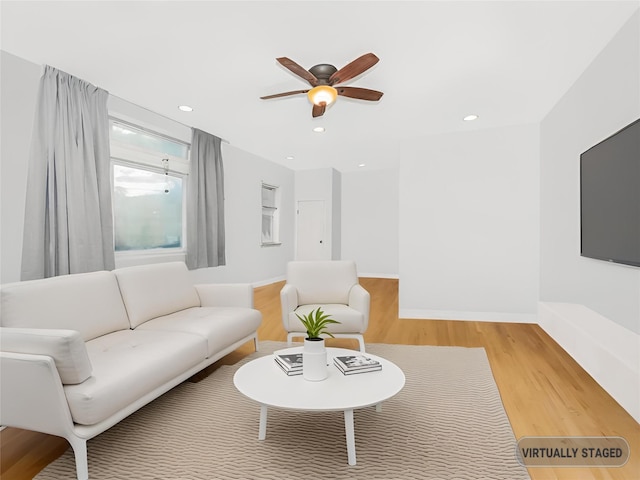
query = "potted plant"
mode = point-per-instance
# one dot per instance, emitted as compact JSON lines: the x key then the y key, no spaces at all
{"x":316,"y":324}
{"x":314,"y":354}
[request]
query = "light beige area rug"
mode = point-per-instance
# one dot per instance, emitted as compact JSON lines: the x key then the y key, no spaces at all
{"x":447,"y":423}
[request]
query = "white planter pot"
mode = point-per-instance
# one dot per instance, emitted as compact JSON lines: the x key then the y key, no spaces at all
{"x":314,"y":360}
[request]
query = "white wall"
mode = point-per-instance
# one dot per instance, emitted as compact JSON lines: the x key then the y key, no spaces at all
{"x":247,"y":261}
{"x":469,"y":225}
{"x":336,"y":215}
{"x":370,"y":221}
{"x":323,"y":184}
{"x":590,"y":307}
{"x":20,"y":80}
{"x":604,"y":99}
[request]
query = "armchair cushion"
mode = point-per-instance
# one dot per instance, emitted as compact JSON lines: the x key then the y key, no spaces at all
{"x":321,"y":282}
{"x":66,"y":347}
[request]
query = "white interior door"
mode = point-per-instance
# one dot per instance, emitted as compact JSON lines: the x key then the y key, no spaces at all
{"x":310,"y":233}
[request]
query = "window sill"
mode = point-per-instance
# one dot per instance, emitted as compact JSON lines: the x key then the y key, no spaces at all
{"x":141,"y":257}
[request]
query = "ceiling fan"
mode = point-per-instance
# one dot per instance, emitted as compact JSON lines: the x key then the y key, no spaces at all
{"x":325,"y":78}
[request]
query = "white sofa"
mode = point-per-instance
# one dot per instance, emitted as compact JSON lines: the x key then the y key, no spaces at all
{"x":81,"y":352}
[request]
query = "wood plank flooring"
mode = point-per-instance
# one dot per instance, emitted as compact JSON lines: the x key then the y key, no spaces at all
{"x":544,"y":391}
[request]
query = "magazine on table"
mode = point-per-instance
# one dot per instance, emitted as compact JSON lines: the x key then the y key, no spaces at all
{"x":289,"y":362}
{"x":371,"y":368}
{"x":288,"y":371}
{"x":350,"y":363}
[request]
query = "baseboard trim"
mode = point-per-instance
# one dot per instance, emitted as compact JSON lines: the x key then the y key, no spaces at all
{"x":502,"y":317}
{"x":607,"y":351}
{"x":393,"y":276}
{"x":269,"y":281}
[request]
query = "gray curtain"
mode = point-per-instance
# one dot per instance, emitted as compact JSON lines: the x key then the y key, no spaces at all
{"x":205,"y":203}
{"x":68,"y":224}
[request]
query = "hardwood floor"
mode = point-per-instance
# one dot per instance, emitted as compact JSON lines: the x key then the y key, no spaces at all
{"x":544,"y":391}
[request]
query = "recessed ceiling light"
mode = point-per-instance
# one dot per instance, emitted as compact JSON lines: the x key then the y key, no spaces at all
{"x":362,"y":165}
{"x":289,"y":157}
{"x":185,"y":108}
{"x":470,"y":118}
{"x":318,"y":129}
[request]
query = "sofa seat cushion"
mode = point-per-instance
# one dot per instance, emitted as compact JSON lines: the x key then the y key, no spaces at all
{"x":220,"y":326}
{"x":128,"y":365}
{"x":351,"y":320}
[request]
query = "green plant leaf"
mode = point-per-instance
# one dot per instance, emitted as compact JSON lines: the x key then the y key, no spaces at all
{"x":315,"y":322}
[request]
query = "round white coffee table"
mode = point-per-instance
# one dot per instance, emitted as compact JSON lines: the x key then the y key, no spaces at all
{"x":263,"y":381}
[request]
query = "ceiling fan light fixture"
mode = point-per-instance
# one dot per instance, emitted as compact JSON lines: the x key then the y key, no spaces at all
{"x":322,"y":94}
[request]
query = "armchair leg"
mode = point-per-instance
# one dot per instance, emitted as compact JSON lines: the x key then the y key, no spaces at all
{"x":290,"y":336}
{"x":357,"y":336}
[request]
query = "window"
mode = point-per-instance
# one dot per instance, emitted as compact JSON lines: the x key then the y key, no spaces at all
{"x":270,"y":215}
{"x":149,"y":180}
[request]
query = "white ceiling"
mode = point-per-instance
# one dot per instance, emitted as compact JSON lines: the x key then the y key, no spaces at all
{"x":507,"y":61}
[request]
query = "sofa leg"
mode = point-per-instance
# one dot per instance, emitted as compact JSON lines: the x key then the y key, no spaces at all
{"x":79,"y":446}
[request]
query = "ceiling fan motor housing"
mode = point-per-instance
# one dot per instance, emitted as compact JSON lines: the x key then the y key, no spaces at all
{"x":323,"y":72}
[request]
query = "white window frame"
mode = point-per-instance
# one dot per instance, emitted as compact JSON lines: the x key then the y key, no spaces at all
{"x":135,"y":157}
{"x":274,"y":212}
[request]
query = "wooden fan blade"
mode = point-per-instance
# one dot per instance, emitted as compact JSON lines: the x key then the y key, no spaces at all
{"x":360,"y":93}
{"x":298,"y":70}
{"x":353,"y":69}
{"x":318,"y":110}
{"x":284,"y":94}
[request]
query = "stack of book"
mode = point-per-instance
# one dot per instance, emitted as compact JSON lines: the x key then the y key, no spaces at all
{"x":351,"y":364}
{"x":290,"y":363}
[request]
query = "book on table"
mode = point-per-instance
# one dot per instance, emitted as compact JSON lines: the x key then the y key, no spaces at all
{"x":351,"y":364}
{"x":291,"y":363}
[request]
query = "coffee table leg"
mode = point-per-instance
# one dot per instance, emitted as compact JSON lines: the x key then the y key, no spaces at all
{"x":351,"y":436}
{"x":262,"y":430}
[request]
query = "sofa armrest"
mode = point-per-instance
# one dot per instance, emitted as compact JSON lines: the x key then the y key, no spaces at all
{"x":32,"y":396}
{"x":65,"y":347}
{"x":360,"y":300}
{"x":288,"y":302}
{"x":225,"y":295}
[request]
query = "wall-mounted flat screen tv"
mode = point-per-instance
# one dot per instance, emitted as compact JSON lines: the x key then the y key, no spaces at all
{"x":610,"y":198}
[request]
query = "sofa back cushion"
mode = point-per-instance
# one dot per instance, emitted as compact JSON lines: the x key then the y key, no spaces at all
{"x":151,"y":291}
{"x":327,"y":281}
{"x":89,"y":303}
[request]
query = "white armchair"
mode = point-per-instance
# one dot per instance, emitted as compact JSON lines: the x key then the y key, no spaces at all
{"x":332,"y":285}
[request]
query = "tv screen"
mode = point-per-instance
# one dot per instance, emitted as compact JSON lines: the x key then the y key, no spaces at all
{"x":610,"y":198}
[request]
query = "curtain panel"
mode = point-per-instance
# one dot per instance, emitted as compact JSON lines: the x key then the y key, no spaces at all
{"x":205,"y":203}
{"x":68,"y":224}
